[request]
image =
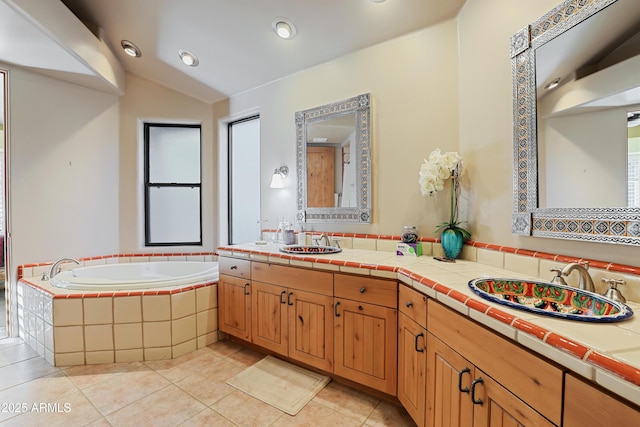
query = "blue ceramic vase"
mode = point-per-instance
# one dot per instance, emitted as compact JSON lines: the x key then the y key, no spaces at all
{"x":452,"y":241}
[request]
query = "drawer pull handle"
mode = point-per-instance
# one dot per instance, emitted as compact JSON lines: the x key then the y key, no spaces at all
{"x":418,"y":349}
{"x":335,"y":307}
{"x":360,"y":308}
{"x":473,"y":391}
{"x":409,"y":304}
{"x":289,"y":298}
{"x":362,"y":290}
{"x":234,"y":267}
{"x":282,"y":294}
{"x":246,"y":291}
{"x":460,"y":374}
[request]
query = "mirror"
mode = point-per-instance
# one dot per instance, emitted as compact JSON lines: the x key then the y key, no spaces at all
{"x":333,"y":159}
{"x":573,"y":147}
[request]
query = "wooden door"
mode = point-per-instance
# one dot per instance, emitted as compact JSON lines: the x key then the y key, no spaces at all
{"x":449,"y":378}
{"x":234,"y":303}
{"x":366,"y":344}
{"x":311,"y":329}
{"x":320,"y":177}
{"x":495,"y":406}
{"x":269,"y":322}
{"x":412,"y":367}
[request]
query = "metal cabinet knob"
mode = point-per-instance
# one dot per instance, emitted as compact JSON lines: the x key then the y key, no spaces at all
{"x":409,"y":304}
{"x":362,"y":290}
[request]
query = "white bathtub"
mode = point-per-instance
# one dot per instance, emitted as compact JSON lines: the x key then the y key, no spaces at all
{"x":139,"y":275}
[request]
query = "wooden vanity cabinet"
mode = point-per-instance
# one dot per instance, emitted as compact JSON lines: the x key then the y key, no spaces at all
{"x":292,"y":313}
{"x":234,"y":297}
{"x":412,"y":355}
{"x":482,"y":379}
{"x":365,"y":331}
{"x":588,"y":405}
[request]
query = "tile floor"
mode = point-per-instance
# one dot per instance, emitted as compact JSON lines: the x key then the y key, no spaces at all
{"x":187,"y":391}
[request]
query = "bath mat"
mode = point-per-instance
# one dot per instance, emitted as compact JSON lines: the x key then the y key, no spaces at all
{"x":279,"y":384}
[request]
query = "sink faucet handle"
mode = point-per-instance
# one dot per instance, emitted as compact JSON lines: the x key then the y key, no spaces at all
{"x":558,"y":277}
{"x":613,"y":292}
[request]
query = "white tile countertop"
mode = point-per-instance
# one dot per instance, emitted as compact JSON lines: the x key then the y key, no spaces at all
{"x":606,"y":353}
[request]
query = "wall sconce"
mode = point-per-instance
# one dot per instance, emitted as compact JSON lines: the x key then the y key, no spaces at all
{"x":277,"y":180}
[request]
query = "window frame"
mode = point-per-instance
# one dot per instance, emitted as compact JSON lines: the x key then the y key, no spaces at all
{"x":148,"y":185}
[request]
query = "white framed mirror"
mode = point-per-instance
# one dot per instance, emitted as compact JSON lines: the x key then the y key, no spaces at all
{"x":333,"y":162}
{"x":573,"y":143}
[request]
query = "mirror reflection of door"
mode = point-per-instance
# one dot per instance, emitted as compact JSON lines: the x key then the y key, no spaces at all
{"x":633,"y":159}
{"x":320,"y":177}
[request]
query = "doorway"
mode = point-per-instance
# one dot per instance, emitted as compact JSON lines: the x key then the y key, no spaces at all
{"x":4,"y":307}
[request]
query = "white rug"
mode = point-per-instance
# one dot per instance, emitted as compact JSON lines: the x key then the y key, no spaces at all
{"x":280,"y":384}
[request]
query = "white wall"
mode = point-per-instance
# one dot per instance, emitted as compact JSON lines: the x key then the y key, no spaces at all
{"x":145,"y":100}
{"x":63,"y":169}
{"x":413,"y":86}
{"x":486,"y":126}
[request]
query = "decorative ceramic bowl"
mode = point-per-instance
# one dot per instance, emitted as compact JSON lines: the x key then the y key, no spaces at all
{"x":551,"y":299}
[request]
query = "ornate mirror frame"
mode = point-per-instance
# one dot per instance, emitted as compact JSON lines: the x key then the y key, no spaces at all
{"x":361,"y":213}
{"x":610,"y":225}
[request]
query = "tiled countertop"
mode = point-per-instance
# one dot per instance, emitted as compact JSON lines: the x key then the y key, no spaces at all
{"x":607,"y":353}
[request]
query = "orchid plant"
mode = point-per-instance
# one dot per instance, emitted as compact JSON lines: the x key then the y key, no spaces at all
{"x":434,"y":172}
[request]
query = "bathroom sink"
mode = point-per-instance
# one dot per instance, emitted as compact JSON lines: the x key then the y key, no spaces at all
{"x":551,"y":299}
{"x":310,"y":249}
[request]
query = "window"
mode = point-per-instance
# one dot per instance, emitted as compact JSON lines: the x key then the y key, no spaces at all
{"x":173,"y":214}
{"x":244,"y":180}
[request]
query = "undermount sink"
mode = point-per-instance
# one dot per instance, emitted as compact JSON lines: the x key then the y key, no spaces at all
{"x":551,"y":299}
{"x":310,"y":249}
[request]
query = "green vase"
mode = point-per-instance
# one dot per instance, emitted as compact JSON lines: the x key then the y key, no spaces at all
{"x":452,"y":241}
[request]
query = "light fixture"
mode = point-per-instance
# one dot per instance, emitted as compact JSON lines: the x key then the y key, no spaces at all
{"x":131,"y":49}
{"x":554,"y":84}
{"x":284,"y":28}
{"x":188,"y":58}
{"x":279,"y":174}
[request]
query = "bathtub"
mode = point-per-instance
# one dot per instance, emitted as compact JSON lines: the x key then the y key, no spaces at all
{"x":139,"y":275}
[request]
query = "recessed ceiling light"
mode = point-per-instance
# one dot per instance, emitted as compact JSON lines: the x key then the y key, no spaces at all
{"x":131,"y":49}
{"x":284,"y":28}
{"x":188,"y":58}
{"x":554,"y":84}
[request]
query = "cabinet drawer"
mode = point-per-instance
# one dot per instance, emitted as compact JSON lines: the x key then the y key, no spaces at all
{"x":533,"y":380}
{"x":413,"y":304}
{"x":234,"y":267}
{"x":319,"y":282}
{"x":365,"y":289}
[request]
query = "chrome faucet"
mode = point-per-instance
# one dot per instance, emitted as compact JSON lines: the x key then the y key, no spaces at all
{"x":586,"y":282}
{"x":324,"y":237}
{"x":55,"y":268}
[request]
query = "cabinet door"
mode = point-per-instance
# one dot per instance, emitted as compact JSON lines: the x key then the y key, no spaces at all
{"x":234,"y":303}
{"x":311,"y":328}
{"x":586,"y":405}
{"x":448,"y":386}
{"x":269,"y":317}
{"x":366,"y":344}
{"x":412,"y":367}
{"x":495,"y":406}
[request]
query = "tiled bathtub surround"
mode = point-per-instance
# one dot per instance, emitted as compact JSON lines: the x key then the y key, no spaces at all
{"x":71,"y":328}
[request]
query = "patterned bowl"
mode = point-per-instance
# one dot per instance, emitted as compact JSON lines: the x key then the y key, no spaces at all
{"x":310,"y":249}
{"x":551,"y":299}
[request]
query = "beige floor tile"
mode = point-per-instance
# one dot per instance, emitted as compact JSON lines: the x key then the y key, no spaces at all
{"x":246,"y":357}
{"x":84,"y":376}
{"x":120,"y":390}
{"x":347,"y":401}
{"x":169,"y":406}
{"x":24,"y":371}
{"x":316,"y":415}
{"x":208,"y":418}
{"x":51,"y":388}
{"x":224,"y":348}
{"x":102,"y":422}
{"x":244,"y":410}
{"x":209,"y":386}
{"x":391,"y":415}
{"x":12,"y":353}
{"x":183,"y":366}
{"x":72,"y":410}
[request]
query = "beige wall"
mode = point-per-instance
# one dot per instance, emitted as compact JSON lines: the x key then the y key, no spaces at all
{"x":486,"y":124}
{"x":413,"y":86}
{"x":146,"y":101}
